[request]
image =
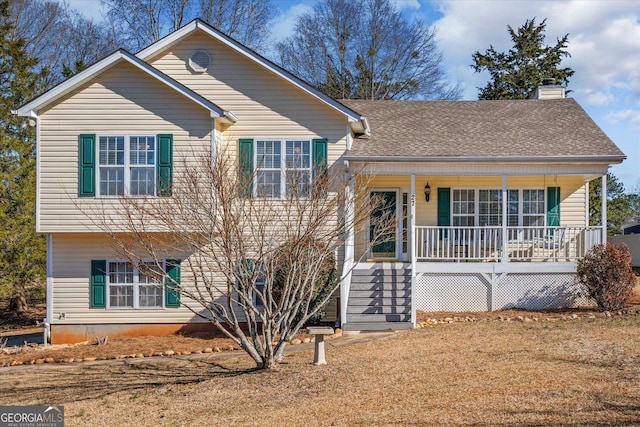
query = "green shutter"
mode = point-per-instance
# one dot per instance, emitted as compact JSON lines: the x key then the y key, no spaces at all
{"x":444,"y":207}
{"x":553,"y":206}
{"x":98,"y":288}
{"x":172,"y":294}
{"x":87,"y":165}
{"x":444,"y":210}
{"x":245,"y":167}
{"x":319,"y":157}
{"x":164,"y":164}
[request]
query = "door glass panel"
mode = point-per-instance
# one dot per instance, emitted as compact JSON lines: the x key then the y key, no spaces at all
{"x":382,"y":231}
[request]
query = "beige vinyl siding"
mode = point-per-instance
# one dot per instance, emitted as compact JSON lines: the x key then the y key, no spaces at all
{"x":122,"y":100}
{"x":265,"y":104}
{"x":72,"y":255}
{"x":572,"y":193}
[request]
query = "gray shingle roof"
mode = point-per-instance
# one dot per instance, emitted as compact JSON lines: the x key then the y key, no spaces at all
{"x":514,"y":128}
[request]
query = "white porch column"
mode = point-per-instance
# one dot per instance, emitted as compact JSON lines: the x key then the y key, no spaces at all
{"x":349,"y":248}
{"x":412,"y":249}
{"x":503,"y":243}
{"x":604,"y":208}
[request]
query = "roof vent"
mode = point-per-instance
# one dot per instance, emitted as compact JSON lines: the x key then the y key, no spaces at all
{"x":199,"y":61}
{"x":548,"y":81}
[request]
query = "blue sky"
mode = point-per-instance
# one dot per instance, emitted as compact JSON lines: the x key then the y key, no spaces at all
{"x":604,"y":41}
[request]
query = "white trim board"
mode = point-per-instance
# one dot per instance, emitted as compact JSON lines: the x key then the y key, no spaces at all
{"x":51,"y":96}
{"x":359,"y":124}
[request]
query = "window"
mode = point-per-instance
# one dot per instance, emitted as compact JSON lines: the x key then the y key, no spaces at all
{"x":533,"y":212}
{"x":279,"y":175}
{"x":126,"y":165}
{"x":259,"y":284}
{"x":483,"y":207}
{"x":132,"y":286}
{"x":464,"y":208}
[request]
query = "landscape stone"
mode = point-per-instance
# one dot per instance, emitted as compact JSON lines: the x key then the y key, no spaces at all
{"x":295,"y":341}
{"x":169,"y":353}
{"x":306,"y":340}
{"x":207,"y":350}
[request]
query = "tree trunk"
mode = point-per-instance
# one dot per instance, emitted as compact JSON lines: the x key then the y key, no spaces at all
{"x":18,"y":303}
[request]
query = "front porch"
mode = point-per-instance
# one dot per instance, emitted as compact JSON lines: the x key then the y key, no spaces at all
{"x":478,"y":243}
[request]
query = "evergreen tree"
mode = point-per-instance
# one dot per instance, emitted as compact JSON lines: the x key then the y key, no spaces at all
{"x":621,"y":206}
{"x":22,"y":250}
{"x":517,"y":73}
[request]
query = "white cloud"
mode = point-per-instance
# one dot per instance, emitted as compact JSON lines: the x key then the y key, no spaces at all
{"x":406,"y":4}
{"x":629,"y":115}
{"x":282,"y":25}
{"x":604,"y":39}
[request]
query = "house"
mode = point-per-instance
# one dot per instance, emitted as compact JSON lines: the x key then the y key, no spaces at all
{"x":630,"y":237}
{"x":490,"y":198}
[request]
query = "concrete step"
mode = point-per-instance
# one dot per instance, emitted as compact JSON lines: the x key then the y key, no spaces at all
{"x":374,"y":318}
{"x":379,"y":302}
{"x":376,"y":326}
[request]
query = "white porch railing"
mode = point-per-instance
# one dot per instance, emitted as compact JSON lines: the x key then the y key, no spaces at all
{"x":522,"y":244}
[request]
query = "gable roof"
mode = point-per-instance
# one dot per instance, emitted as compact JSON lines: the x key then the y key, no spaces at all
{"x":513,"y":130}
{"x":32,"y":107}
{"x":359,"y":122}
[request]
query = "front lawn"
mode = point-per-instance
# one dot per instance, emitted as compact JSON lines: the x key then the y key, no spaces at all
{"x":566,"y":372}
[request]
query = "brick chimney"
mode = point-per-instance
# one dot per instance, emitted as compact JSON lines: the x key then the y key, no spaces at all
{"x":549,"y":90}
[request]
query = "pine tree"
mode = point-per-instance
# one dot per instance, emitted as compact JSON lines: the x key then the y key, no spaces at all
{"x":22,"y":250}
{"x":517,"y":73}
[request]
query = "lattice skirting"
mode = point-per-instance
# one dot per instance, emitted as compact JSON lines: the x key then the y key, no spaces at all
{"x":485,"y":292}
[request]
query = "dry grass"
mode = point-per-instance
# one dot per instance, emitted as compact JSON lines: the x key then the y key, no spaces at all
{"x":582,"y":372}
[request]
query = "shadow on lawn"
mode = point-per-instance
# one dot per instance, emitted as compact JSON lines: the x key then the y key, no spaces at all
{"x":68,"y":383}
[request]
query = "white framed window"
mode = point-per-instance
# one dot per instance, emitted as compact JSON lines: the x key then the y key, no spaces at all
{"x":283,"y":168}
{"x":130,"y":286}
{"x":483,"y":207}
{"x":464,"y":208}
{"x":126,"y":165}
{"x":533,"y":210}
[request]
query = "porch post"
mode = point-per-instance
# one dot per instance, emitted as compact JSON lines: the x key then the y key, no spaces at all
{"x":604,"y":208}
{"x":345,"y":285}
{"x":412,"y":249}
{"x":503,"y":243}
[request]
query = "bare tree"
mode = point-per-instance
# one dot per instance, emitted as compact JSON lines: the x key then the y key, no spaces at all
{"x":245,"y":20}
{"x":257,"y":268}
{"x":139,"y":22}
{"x":142,"y":22}
{"x":63,"y":40}
{"x":366,"y":49}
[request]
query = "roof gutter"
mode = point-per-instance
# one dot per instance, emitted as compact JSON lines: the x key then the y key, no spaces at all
{"x":502,"y":159}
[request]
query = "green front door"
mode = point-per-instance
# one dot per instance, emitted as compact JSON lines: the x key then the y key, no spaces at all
{"x":382,"y":229}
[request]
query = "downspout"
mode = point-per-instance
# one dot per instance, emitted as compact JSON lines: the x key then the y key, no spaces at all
{"x":347,"y":267}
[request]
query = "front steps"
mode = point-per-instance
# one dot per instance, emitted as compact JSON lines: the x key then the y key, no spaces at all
{"x":379,"y":297}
